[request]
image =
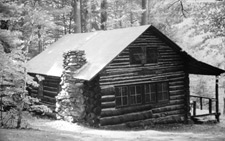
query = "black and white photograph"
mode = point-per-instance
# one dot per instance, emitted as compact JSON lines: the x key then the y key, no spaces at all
{"x":112,"y":70}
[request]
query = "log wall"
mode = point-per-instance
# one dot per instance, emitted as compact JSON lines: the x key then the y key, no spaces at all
{"x":47,"y":90}
{"x":170,"y":67}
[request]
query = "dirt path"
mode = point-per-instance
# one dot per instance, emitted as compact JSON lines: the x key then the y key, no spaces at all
{"x":47,"y":130}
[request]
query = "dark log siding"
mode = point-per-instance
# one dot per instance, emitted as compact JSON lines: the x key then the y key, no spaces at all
{"x":170,"y":67}
{"x":50,"y":89}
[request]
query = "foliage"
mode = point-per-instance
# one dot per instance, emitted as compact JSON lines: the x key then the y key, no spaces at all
{"x":12,"y":71}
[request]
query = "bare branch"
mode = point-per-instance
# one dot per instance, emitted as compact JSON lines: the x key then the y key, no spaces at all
{"x":182,"y":8}
{"x":173,"y":4}
{"x":181,"y":5}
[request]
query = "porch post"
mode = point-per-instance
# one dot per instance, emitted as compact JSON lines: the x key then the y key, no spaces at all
{"x":217,"y":100}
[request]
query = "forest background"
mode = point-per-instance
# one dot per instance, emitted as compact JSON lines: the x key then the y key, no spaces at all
{"x":27,"y":27}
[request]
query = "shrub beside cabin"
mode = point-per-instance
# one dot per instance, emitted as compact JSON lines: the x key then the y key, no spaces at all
{"x":131,"y":76}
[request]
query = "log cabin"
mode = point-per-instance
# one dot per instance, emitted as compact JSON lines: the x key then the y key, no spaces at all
{"x":124,"y":77}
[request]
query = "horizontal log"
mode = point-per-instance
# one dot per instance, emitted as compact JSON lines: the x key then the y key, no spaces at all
{"x":176,"y":87}
{"x":159,"y":64}
{"x":119,"y":64}
{"x":50,"y":93}
{"x":144,"y":82}
{"x":108,"y":104}
{"x":51,"y":84}
{"x":126,"y":118}
{"x":176,"y":112}
{"x":168,"y":59}
{"x":125,"y":110}
{"x":153,"y":79}
{"x":54,"y":89}
{"x":105,"y":77}
{"x":141,"y":68}
{"x":173,"y":105}
{"x":168,"y":108}
{"x":49,"y":99}
{"x":163,"y":56}
{"x":175,"y":97}
{"x":169,"y":113}
{"x":34,"y":91}
{"x":171,"y":83}
{"x":168,"y":53}
{"x":177,"y":101}
{"x":110,"y":90}
{"x":54,"y":80}
{"x":141,"y":123}
{"x":140,"y":72}
{"x":177,"y":92}
{"x":108,"y":98}
{"x":124,"y":59}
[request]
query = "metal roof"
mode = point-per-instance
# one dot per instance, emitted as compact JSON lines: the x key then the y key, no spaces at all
{"x":101,"y":48}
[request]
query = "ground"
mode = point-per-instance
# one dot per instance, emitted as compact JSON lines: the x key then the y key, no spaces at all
{"x":55,"y":130}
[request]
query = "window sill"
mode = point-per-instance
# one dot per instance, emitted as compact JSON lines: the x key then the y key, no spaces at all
{"x":153,"y":105}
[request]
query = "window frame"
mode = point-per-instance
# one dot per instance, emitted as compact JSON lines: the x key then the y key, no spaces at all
{"x":150,"y":94}
{"x":145,"y":56}
{"x":163,"y":96}
{"x":143,"y":94}
{"x":135,"y":95}
{"x":121,"y":96}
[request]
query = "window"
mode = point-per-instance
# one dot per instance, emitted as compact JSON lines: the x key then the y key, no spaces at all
{"x":136,"y":56}
{"x":143,"y":55}
{"x":153,"y":93}
{"x":135,"y":94}
{"x":150,"y":93}
{"x":151,"y":55}
{"x":121,"y":96}
{"x":162,"y":89}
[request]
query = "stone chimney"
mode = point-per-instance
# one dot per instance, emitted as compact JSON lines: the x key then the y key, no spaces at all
{"x":78,"y":100}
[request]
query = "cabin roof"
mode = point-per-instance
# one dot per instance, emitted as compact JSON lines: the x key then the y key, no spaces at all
{"x":101,"y":48}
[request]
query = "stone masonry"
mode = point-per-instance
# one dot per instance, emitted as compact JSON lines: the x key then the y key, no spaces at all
{"x":79,"y":100}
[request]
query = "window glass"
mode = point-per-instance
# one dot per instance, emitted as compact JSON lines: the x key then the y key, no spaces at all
{"x":121,"y":96}
{"x":135,"y":94}
{"x":136,"y":55}
{"x":152,"y":55}
{"x":142,"y":94}
{"x":162,"y":89}
{"x":150,"y":93}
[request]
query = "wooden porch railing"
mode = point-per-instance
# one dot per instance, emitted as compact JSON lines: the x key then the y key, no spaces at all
{"x":211,"y":102}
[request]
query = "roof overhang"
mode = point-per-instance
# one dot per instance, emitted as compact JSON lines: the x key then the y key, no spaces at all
{"x":193,"y":66}
{"x":197,"y":67}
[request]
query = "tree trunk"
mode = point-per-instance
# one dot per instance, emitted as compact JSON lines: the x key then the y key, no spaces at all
{"x":103,"y":14}
{"x":39,"y":39}
{"x":76,"y":16}
{"x":20,"y":106}
{"x":131,"y":18}
{"x":89,"y":15}
{"x":144,"y":14}
{"x":84,"y":15}
{"x":223,"y":106}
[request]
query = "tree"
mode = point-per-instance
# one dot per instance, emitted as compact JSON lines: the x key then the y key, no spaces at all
{"x":144,"y":19}
{"x":12,"y":66}
{"x":103,"y":14}
{"x":76,"y":4}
